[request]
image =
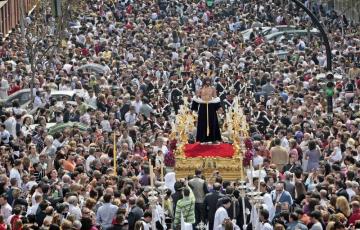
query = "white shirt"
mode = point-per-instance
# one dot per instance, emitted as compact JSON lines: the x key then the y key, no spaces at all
{"x":30,"y":184}
{"x":257,"y":160}
{"x":26,"y":130}
{"x":37,"y":102}
{"x":33,"y":202}
{"x":75,"y":210}
{"x":269,"y":205}
{"x":159,"y":214}
{"x":91,"y":101}
{"x":85,"y":119}
{"x":32,"y":209}
{"x":57,"y":143}
{"x":14,"y":173}
{"x":5,"y":135}
{"x":5,"y":211}
{"x":336,"y":155}
{"x":301,"y":44}
{"x":10,"y":125}
{"x":137,"y":105}
{"x":220,"y":215}
{"x":105,"y":124}
{"x":4,"y":88}
{"x":351,"y":192}
{"x":127,"y":140}
{"x":146,"y":226}
{"x":130,"y":118}
{"x":266,"y":226}
{"x":64,"y":87}
{"x":163,"y":149}
{"x":18,"y":111}
{"x":220,"y":227}
{"x":88,"y":161}
{"x":285,"y":143}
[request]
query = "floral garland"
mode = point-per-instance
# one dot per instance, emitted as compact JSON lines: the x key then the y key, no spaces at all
{"x":249,"y":153}
{"x":169,"y":159}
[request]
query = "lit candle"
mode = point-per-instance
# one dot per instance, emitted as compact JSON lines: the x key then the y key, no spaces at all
{"x":151,"y":174}
{"x":259,"y":177}
{"x":294,"y":179}
{"x":251,"y":173}
{"x":162,"y":171}
{"x":242,"y":171}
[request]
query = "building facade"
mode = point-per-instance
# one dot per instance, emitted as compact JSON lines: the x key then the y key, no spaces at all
{"x":10,"y":13}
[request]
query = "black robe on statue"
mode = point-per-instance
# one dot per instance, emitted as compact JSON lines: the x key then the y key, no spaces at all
{"x":208,"y":129}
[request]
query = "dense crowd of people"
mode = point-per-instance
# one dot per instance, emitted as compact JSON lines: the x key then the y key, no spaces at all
{"x":304,"y":120}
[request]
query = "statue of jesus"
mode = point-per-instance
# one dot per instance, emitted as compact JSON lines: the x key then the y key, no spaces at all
{"x":206,"y":103}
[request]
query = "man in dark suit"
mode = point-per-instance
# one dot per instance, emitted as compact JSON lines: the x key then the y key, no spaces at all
{"x":178,"y":186}
{"x":210,"y":204}
{"x":288,"y":185}
{"x":239,"y":215}
{"x":340,"y":189}
{"x":221,"y":87}
{"x":176,"y":97}
{"x":189,"y":82}
{"x":199,"y":188}
{"x":136,"y":212}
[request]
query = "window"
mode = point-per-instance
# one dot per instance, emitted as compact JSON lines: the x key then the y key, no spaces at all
{"x":24,"y":97}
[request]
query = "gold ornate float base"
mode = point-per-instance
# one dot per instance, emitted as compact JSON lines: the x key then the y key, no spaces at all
{"x":229,"y":168}
{"x":236,"y":127}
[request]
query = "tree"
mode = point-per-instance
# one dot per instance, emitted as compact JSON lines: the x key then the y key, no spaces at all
{"x":350,"y":8}
{"x":44,"y":34}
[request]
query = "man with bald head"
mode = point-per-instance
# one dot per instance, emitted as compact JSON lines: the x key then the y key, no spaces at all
{"x":281,"y":198}
{"x":323,"y":198}
{"x":74,"y":209}
{"x":210,"y":204}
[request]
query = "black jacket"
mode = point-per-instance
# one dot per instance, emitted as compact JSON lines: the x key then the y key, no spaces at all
{"x":210,"y":205}
{"x":135,"y":214}
{"x":176,"y":197}
{"x":116,"y":227}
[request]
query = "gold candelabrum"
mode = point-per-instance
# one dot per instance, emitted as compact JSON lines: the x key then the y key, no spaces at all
{"x":235,"y":126}
{"x":182,"y":128}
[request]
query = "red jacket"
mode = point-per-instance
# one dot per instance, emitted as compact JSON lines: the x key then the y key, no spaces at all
{"x":13,"y":221}
{"x":14,"y":89}
{"x":3,"y":226}
{"x":354,"y":217}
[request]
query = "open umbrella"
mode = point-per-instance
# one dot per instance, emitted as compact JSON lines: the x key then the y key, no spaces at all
{"x":210,"y":3}
{"x":61,"y":126}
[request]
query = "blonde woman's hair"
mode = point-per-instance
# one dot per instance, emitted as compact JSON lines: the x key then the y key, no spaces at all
{"x":139,"y":225}
{"x":330,"y":225}
{"x":66,"y":225}
{"x":279,"y":227}
{"x":343,"y":205}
